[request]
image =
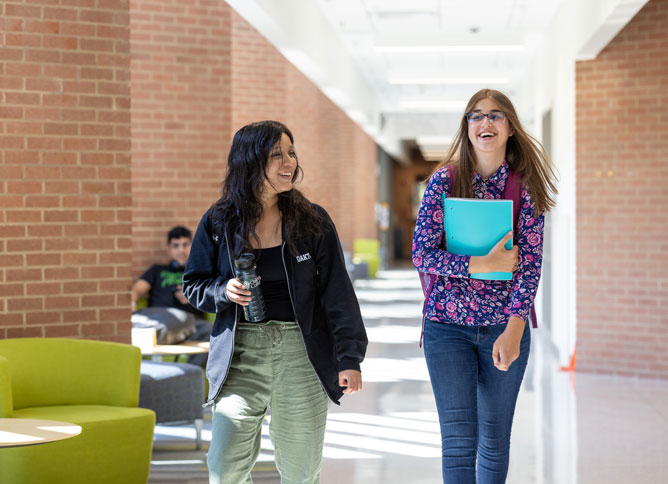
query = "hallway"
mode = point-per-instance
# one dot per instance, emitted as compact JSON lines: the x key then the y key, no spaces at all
{"x":388,"y":433}
{"x":569,"y":428}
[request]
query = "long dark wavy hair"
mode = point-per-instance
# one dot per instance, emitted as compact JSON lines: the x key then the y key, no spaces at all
{"x":524,"y":154}
{"x":240,"y":206}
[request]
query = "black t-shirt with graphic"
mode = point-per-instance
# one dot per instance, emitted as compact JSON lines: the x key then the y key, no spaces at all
{"x":164,"y":281}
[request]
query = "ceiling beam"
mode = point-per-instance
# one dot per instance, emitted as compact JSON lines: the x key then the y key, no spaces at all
{"x":609,"y":17}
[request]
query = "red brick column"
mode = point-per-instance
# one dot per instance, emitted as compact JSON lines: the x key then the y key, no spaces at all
{"x":65,"y":220}
{"x":622,"y":196}
{"x":181,"y":68}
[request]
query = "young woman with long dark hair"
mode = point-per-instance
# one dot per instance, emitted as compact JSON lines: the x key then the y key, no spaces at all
{"x":476,"y":333}
{"x":308,"y":348}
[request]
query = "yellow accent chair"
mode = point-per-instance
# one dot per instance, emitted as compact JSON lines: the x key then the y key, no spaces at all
{"x":93,"y":384}
{"x":367,"y":251}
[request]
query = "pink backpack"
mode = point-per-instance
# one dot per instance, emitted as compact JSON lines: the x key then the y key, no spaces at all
{"x":510,"y":192}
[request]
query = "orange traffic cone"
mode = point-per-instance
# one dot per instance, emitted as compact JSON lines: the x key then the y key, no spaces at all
{"x":570,"y":367}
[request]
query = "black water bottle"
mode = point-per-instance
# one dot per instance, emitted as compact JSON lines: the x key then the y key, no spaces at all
{"x":247,"y":274}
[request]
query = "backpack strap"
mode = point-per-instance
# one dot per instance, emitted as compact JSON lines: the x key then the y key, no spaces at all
{"x":512,"y":192}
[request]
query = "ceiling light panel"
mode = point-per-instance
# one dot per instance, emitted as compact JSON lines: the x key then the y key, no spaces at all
{"x":444,"y":81}
{"x":397,"y":15}
{"x":444,"y":105}
{"x":438,"y":65}
{"x":402,"y":6}
{"x":451,"y":48}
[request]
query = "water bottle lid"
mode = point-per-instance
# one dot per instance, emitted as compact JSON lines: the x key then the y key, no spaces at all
{"x":244,"y":261}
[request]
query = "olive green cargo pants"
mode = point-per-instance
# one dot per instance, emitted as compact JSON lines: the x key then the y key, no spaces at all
{"x":269,"y":369}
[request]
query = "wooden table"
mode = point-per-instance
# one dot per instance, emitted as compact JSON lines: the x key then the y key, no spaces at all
{"x":28,"y":431}
{"x":185,"y":348}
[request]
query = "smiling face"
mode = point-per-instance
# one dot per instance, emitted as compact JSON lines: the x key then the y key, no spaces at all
{"x":488,"y":138}
{"x":280,"y":170}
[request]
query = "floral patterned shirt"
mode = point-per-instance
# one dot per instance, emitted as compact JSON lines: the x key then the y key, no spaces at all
{"x":457,"y":299}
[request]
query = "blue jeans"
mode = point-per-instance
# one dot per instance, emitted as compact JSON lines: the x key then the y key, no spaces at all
{"x":475,"y":401}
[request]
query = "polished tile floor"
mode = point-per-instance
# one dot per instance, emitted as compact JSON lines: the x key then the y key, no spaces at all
{"x":569,"y":428}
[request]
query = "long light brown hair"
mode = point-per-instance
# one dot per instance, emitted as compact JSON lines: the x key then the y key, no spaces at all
{"x":524,"y":154}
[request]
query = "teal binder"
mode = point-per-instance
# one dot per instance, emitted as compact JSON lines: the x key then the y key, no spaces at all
{"x":473,"y":226}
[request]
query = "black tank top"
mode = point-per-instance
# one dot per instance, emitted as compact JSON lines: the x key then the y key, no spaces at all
{"x":274,"y":284}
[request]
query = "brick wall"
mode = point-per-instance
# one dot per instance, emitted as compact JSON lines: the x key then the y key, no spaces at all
{"x":180,"y":117}
{"x":65,"y":219}
{"x":78,"y":219}
{"x":622,"y":196}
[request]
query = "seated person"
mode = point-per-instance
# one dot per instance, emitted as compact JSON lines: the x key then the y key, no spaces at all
{"x":161,"y":284}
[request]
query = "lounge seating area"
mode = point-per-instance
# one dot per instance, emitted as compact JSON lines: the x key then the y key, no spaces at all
{"x":92,"y":384}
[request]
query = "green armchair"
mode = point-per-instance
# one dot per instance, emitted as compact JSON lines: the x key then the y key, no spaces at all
{"x":367,"y":251}
{"x":93,"y":384}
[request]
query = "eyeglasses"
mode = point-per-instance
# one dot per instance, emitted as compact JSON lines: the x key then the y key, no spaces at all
{"x":495,"y":117}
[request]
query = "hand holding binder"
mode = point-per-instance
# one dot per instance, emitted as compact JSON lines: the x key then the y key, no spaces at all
{"x":501,"y":259}
{"x":481,"y":228}
{"x":498,"y":264}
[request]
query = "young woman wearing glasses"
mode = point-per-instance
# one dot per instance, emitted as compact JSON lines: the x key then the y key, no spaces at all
{"x":476,"y":333}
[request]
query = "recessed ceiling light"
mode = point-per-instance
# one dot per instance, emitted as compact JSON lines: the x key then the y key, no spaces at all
{"x":447,"y":80}
{"x":400,"y":49}
{"x":405,"y":14}
{"x":426,"y":104}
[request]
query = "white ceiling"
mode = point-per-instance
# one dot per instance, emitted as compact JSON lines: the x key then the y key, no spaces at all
{"x":396,"y":44}
{"x":404,"y":69}
{"x":425,"y":58}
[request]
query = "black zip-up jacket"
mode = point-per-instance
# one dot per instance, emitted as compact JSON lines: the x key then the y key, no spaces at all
{"x":322,"y":296}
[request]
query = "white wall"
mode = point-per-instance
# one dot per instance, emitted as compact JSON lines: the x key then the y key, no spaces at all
{"x":580,"y":30}
{"x":550,"y":85}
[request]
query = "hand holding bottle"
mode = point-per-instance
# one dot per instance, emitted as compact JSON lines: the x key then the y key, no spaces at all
{"x":254,"y":310}
{"x":237,"y":293}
